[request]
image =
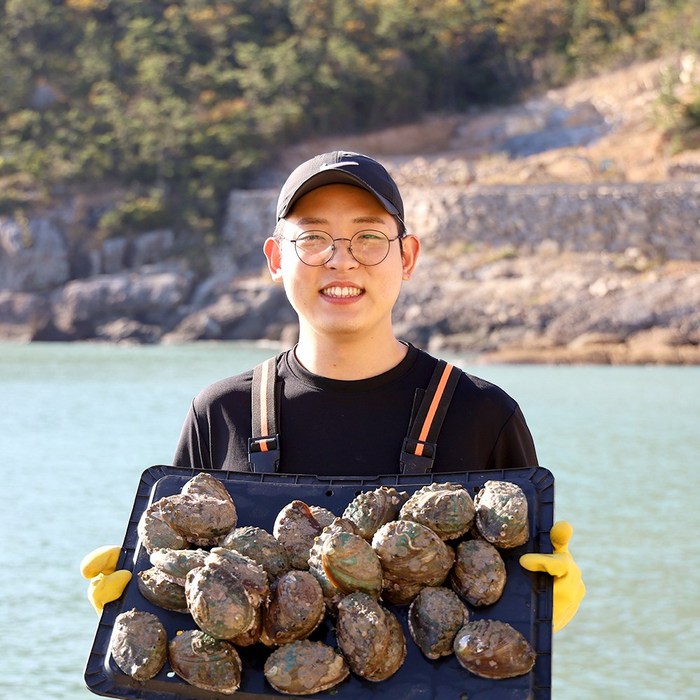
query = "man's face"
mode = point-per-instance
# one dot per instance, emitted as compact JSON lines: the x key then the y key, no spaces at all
{"x":341,"y":297}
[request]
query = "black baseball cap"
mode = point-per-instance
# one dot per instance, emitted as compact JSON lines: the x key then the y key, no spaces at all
{"x":342,"y":168}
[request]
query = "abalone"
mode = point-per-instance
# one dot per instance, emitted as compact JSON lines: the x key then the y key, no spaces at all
{"x":295,"y":610}
{"x":370,"y":637}
{"x":305,"y":667}
{"x":434,"y":618}
{"x":493,"y":649}
{"x":412,"y":557}
{"x":204,"y":662}
{"x":446,"y":508}
{"x":296,"y":528}
{"x":479,"y":573}
{"x":502,"y":514}
{"x":261,"y":546}
{"x":139,"y":644}
{"x":369,"y":510}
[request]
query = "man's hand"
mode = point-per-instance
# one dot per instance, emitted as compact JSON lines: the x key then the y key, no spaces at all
{"x":569,"y":588}
{"x":106,"y":582}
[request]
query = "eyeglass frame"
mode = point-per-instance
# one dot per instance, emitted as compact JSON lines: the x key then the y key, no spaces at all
{"x":334,"y":248}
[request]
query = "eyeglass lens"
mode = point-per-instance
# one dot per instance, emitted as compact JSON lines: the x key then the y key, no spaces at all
{"x":368,"y":247}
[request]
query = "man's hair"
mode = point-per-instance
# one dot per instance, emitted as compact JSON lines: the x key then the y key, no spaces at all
{"x":277,"y":233}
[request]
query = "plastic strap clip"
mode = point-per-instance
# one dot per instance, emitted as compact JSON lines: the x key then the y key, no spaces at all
{"x":264,"y":446}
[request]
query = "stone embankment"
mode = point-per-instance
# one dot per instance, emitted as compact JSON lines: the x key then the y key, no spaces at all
{"x":546,"y":273}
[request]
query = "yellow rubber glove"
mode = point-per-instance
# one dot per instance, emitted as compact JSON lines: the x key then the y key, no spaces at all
{"x":106,"y":582}
{"x":569,"y":588}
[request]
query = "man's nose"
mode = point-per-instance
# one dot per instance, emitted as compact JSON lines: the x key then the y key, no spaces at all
{"x":342,"y":257}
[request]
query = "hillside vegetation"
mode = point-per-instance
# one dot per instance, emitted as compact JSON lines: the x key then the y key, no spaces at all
{"x":170,"y":105}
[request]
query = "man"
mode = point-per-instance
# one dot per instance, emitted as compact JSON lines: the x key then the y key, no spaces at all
{"x":349,"y":386}
{"x":347,"y":396}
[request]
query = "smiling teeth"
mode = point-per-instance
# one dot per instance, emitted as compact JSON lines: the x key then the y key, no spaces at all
{"x":342,"y":291}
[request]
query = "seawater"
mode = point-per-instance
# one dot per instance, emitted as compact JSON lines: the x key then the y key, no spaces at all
{"x":79,"y":423}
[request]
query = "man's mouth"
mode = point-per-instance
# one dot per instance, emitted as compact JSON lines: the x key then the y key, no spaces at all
{"x":341,"y":292}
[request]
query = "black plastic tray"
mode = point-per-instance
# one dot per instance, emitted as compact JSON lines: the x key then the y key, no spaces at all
{"x":526,"y":603}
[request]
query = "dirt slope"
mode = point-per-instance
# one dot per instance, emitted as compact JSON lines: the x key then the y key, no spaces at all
{"x":603,"y":129}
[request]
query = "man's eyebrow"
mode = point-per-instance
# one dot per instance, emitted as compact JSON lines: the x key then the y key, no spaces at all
{"x":369,"y":220}
{"x":315,"y":221}
{"x":310,"y":220}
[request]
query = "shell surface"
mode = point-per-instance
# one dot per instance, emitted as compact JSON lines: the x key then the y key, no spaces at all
{"x":305,"y":668}
{"x":502,"y":514}
{"x":370,"y":637}
{"x":369,"y":510}
{"x":479,"y":573}
{"x":175,"y":564}
{"x":296,"y":528}
{"x":493,"y":649}
{"x":160,"y":590}
{"x":205,"y":662}
{"x":139,"y":644}
{"x":362,"y":632}
{"x":331,"y":592}
{"x":395,"y":652}
{"x":155,"y":532}
{"x":201,"y":519}
{"x":295,"y":610}
{"x":412,"y":557}
{"x":445,"y":508}
{"x":324,"y":516}
{"x":351,"y":564}
{"x":253,"y":633}
{"x":218,"y":601}
{"x":249,"y":573}
{"x":205,"y":484}
{"x":259,"y":545}
{"x":434,"y":618}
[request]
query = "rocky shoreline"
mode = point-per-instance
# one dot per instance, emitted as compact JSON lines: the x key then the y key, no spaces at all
{"x":503,"y":291}
{"x":562,"y":308}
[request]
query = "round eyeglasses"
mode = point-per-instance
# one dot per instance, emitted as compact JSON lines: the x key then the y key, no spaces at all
{"x":367,"y":247}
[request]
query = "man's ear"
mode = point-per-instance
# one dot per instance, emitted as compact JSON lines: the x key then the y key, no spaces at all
{"x":273,"y":253}
{"x":410,"y":247}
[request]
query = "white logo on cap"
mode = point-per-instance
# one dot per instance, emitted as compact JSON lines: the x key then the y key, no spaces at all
{"x":332,"y":166}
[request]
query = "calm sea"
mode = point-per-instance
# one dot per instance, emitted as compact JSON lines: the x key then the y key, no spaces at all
{"x":79,"y":423}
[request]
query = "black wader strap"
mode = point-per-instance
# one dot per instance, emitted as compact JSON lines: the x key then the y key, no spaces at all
{"x":264,"y":446}
{"x":418,"y":453}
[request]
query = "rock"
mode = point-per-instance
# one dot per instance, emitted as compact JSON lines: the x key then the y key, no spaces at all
{"x":127,"y":330}
{"x":251,"y":309}
{"x":644,"y":304}
{"x":23,"y":315}
{"x":113,"y":255}
{"x":152,"y":296}
{"x":121,"y":253}
{"x":250,"y":219}
{"x":33,"y":255}
{"x":150,"y":248}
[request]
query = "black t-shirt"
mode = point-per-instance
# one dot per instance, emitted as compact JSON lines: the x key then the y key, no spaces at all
{"x":356,"y":428}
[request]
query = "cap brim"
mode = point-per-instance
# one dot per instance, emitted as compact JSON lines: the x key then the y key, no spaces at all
{"x":333,"y":176}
